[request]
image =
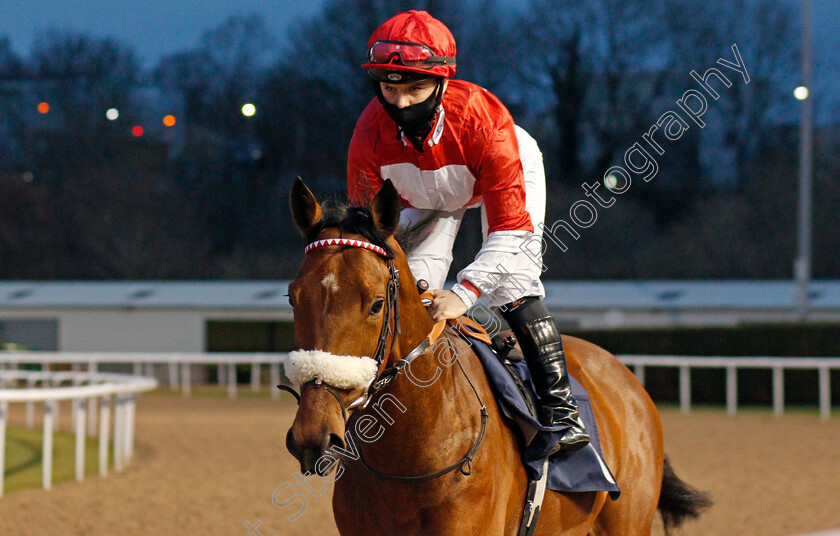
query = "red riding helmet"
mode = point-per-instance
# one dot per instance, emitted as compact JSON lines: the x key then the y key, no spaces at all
{"x":411,"y":46}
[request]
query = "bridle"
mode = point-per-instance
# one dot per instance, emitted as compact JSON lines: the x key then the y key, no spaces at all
{"x":385,"y":377}
{"x":391,"y":312}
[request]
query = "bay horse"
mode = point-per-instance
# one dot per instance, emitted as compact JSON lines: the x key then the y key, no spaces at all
{"x":437,"y":457}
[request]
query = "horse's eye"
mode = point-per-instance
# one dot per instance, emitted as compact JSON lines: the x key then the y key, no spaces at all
{"x":376,"y":308}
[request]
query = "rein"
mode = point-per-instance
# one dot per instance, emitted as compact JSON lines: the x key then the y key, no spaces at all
{"x":390,"y":373}
{"x":465,"y":463}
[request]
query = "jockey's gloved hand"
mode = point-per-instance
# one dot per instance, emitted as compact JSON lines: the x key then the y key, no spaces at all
{"x":445,"y":305}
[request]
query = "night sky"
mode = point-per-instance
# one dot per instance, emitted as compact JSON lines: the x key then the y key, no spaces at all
{"x":151,"y":27}
{"x":157,"y":27}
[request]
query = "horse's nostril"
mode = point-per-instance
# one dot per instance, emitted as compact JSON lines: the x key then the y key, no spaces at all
{"x":336,"y":442}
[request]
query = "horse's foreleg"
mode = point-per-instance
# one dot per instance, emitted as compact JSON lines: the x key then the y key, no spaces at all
{"x":632,"y":514}
{"x":569,"y":515}
{"x":466,"y":514}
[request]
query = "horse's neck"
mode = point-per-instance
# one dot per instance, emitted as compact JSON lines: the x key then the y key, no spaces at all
{"x":425,"y":384}
{"x":423,"y":401}
{"x":425,"y":411}
{"x":415,"y":386}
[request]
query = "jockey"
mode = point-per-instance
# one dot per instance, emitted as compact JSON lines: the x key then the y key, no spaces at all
{"x":448,"y":145}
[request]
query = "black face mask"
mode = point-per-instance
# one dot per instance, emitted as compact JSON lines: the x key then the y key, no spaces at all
{"x":415,"y":120}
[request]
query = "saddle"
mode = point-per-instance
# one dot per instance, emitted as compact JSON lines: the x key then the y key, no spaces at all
{"x":508,"y":353}
{"x":509,"y":377}
{"x":578,"y":471}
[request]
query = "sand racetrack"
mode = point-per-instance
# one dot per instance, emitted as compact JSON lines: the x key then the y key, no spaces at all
{"x":206,"y":465}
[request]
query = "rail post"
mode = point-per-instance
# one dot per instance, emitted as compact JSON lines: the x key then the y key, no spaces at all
{"x":255,"y":376}
{"x":79,"y":411}
{"x":47,"y":454}
{"x":92,"y":368}
{"x":129,"y":431}
{"x":231,"y":374}
{"x":173,"y":376}
{"x":186,"y":379}
{"x":825,"y":393}
{"x":55,"y":383}
{"x":778,"y":390}
{"x":685,"y":388}
{"x":119,"y":422}
{"x":274,"y":372}
{"x":3,"y":411}
{"x":30,"y":406}
{"x":104,"y":426}
{"x":731,"y":390}
{"x":639,"y":370}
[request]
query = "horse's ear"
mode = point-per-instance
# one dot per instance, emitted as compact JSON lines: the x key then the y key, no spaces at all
{"x":385,"y":209}
{"x":305,"y":209}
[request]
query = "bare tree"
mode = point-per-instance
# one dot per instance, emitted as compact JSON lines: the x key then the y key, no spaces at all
{"x":317,"y":90}
{"x":82,"y":76}
{"x":767,"y":37}
{"x":134,"y":225}
{"x":592,"y":70}
{"x":11,"y":66}
{"x":222,"y":73}
{"x":27,"y":222}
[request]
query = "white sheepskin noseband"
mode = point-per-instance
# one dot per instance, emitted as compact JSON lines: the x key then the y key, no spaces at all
{"x":339,"y":371}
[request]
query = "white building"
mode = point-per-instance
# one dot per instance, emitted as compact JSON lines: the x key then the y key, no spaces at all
{"x":204,"y":316}
{"x":133,"y":316}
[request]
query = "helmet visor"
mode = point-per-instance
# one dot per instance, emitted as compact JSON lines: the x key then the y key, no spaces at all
{"x":406,"y":54}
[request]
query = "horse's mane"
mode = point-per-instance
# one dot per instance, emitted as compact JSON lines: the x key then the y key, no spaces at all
{"x":358,"y":220}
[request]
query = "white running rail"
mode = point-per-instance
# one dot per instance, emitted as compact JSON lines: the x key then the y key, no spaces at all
{"x":179,"y":367}
{"x":81,"y":388}
{"x":823,"y":366}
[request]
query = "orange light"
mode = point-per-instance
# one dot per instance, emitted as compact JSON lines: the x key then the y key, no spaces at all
{"x":169,"y":120}
{"x":137,"y":131}
{"x":43,"y":107}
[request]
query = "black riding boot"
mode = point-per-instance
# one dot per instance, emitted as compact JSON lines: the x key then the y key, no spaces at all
{"x":540,"y":341}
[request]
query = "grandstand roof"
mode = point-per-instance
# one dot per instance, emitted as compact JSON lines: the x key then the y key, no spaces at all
{"x":580,"y":295}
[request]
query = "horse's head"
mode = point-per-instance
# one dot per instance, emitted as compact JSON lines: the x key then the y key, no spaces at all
{"x":346,"y":315}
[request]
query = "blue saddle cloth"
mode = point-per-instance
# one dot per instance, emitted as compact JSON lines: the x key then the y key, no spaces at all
{"x":579,"y":471}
